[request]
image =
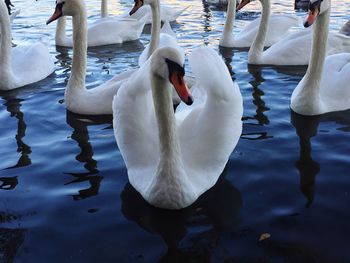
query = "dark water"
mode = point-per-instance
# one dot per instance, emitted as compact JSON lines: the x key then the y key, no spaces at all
{"x":64,"y":190}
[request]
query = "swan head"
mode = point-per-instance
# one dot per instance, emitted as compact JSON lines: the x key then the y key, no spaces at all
{"x":66,"y":8}
{"x":168,"y":63}
{"x":242,"y":3}
{"x":139,"y":3}
{"x":316,"y":7}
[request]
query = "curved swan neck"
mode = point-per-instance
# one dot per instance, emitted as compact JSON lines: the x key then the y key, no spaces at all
{"x":318,"y":52}
{"x":257,"y":48}
{"x":104,"y":8}
{"x":77,"y":77}
{"x":155,"y":30}
{"x":5,"y":45}
{"x":60,"y":30}
{"x":230,"y":19}
{"x":162,"y":99}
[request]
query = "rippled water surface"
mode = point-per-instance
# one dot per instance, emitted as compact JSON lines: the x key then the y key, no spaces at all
{"x":64,"y":190}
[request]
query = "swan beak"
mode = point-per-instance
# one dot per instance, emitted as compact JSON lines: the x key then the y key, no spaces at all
{"x":242,"y":4}
{"x":57,"y":14}
{"x":311,"y":17}
{"x":137,"y":5}
{"x":177,"y":79}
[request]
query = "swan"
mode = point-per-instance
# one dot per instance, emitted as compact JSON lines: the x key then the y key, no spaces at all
{"x":294,"y":49}
{"x":23,"y":64}
{"x":167,"y":13}
{"x":103,"y":31}
{"x":172,"y":159}
{"x":325,"y":86}
{"x":278,"y":26}
{"x":160,"y":37}
{"x":78,"y":98}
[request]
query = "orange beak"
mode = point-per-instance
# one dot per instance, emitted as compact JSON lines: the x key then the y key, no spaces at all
{"x":57,"y":14}
{"x":311,"y":17}
{"x":242,"y":4}
{"x":181,"y":87}
{"x":137,"y":5}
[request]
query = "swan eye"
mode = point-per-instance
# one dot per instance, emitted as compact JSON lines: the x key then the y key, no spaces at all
{"x":174,"y":67}
{"x":314,"y":5}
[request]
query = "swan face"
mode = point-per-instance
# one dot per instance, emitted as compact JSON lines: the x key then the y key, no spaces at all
{"x":242,"y":3}
{"x":316,"y":7}
{"x":66,"y":8}
{"x":167,"y":63}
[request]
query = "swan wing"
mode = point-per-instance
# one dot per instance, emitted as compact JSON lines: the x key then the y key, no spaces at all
{"x":211,"y":128}
{"x":31,"y":63}
{"x":135,"y":129}
{"x":112,"y":31}
{"x":334,"y":85}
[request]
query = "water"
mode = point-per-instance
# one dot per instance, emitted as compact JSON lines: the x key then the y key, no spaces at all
{"x":64,"y":190}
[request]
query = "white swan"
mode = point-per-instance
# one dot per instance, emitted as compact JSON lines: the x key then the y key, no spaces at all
{"x":78,"y":98}
{"x":159,"y":37}
{"x":278,"y":26}
{"x":173,"y":158}
{"x":167,"y":13}
{"x":24,"y":64}
{"x":292,"y":50}
{"x":103,"y":31}
{"x":325,"y":86}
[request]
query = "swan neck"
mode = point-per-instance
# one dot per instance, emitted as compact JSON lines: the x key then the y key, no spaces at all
{"x":155,"y":29}
{"x":230,"y":18}
{"x":60,"y":30}
{"x":162,"y":99}
{"x":104,"y":8}
{"x":5,"y":41}
{"x":257,"y":48}
{"x":318,"y":51}
{"x":77,"y":77}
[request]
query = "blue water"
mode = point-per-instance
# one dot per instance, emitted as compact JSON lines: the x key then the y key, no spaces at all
{"x":64,"y":189}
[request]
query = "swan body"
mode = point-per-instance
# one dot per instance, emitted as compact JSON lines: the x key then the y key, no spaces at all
{"x":24,"y":64}
{"x":292,"y":50}
{"x":104,"y":31}
{"x":278,"y":27}
{"x":167,"y":13}
{"x":78,"y":98}
{"x":173,"y":158}
{"x":325,"y":86}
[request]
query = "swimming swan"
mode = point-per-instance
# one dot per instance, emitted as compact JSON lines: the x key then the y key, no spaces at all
{"x":325,"y":86}
{"x":173,"y":158}
{"x":103,"y":31}
{"x":78,"y":98}
{"x":23,"y":64}
{"x":292,"y":50}
{"x":278,"y":26}
{"x":159,"y":37}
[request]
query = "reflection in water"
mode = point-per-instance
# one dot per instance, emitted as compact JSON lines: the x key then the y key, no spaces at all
{"x":257,"y":94}
{"x":306,"y":127}
{"x":227,"y":54}
{"x":81,"y":136}
{"x":10,"y":239}
{"x":207,"y":21}
{"x":13,"y":106}
{"x":216,"y":210}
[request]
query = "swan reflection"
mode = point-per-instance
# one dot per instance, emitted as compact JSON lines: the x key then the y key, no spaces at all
{"x":306,"y":128}
{"x":216,"y":210}
{"x":261,"y":108}
{"x":81,"y":135}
